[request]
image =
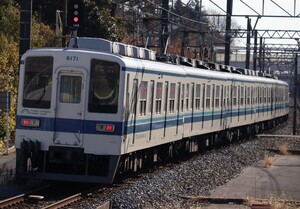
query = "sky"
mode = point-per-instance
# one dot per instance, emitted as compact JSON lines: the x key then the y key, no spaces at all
{"x":270,"y":8}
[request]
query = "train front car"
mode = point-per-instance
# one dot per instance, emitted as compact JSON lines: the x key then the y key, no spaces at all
{"x":68,"y":115}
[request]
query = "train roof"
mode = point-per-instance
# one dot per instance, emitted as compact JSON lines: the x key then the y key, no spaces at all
{"x":132,"y":55}
{"x":122,"y":49}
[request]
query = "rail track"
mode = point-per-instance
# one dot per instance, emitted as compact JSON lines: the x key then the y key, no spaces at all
{"x":36,"y":199}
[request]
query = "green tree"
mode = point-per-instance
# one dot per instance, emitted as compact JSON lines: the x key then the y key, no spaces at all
{"x":42,"y":35}
{"x":9,"y":55}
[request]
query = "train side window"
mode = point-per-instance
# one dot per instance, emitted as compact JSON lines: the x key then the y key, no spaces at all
{"x":172,"y":98}
{"x":187,"y":96}
{"x":143,"y":97}
{"x":197,"y":97}
{"x":104,"y":87}
{"x":38,"y":82}
{"x":217,"y":100}
{"x":207,"y":103}
{"x":158,"y":97}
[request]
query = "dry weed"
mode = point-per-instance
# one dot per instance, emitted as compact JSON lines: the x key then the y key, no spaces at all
{"x":283,"y":149}
{"x":269,"y":161}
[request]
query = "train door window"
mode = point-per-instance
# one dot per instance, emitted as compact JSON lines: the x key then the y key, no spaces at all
{"x":187,"y":94}
{"x":182,"y":97}
{"x":166,"y":96}
{"x":203,"y":96}
{"x":242,"y":96}
{"x":178,"y":96}
{"x":134,"y":106}
{"x":235,"y":96}
{"x":228,"y":97}
{"x":151,"y":97}
{"x":143,"y":97}
{"x":260,"y":95}
{"x":38,"y":82}
{"x":192,"y":95}
{"x":172,"y":98}
{"x":178,"y":106}
{"x":203,"y":103}
{"x":269,"y":95}
{"x":70,"y":89}
{"x":252,"y":95}
{"x":207,"y":102}
{"x":248,"y":95}
{"x":197,"y":97}
{"x":265,"y":95}
{"x":238,"y":96}
{"x":224,"y":96}
{"x":217,"y":101}
{"x":104,"y":87}
{"x":158,"y":97}
{"x":213,"y":96}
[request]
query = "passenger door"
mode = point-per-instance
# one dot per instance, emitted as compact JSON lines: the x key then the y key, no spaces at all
{"x":70,"y":102}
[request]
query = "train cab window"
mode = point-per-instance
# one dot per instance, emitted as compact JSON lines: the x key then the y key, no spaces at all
{"x":172,"y":98}
{"x":207,"y":103}
{"x":158,"y":97}
{"x":143,"y":97}
{"x":38,"y":82}
{"x":70,"y":89}
{"x":197,"y":97}
{"x":104,"y":87}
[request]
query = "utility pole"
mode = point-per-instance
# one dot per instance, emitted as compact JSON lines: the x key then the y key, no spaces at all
{"x":64,"y":23}
{"x":164,"y":26}
{"x":248,"y":43}
{"x":255,"y":50}
{"x":25,"y":26}
{"x":228,"y":30}
{"x":295,"y":94}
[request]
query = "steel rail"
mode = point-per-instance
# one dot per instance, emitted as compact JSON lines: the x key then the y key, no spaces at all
{"x":12,"y":201}
{"x":64,"y":202}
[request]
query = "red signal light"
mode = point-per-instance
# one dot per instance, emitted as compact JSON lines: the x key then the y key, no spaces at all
{"x":75,"y":19}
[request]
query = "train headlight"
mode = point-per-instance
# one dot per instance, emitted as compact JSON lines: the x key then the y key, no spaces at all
{"x":30,"y":122}
{"x":105,"y":127}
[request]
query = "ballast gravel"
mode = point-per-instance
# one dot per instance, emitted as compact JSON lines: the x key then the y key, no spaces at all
{"x":167,"y":187}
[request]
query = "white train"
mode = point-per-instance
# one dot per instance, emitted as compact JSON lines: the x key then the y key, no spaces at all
{"x":101,"y":108}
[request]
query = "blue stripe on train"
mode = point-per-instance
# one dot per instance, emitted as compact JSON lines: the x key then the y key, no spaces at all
{"x":89,"y":126}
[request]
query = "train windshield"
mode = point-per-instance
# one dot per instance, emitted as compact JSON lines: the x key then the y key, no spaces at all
{"x":104,"y":86}
{"x":38,"y":82}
